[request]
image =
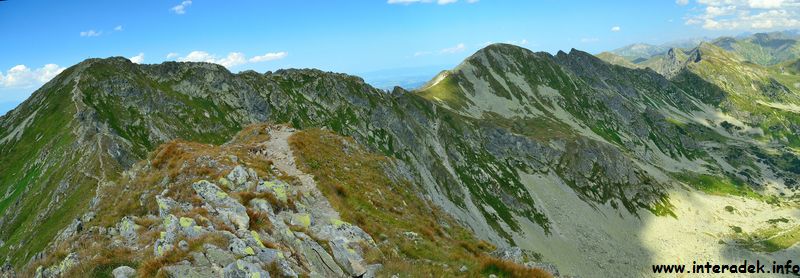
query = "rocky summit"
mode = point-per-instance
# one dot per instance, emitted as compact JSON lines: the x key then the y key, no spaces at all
{"x":514,"y":164}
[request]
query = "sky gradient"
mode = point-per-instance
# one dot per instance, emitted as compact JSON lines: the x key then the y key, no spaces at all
{"x":369,"y":38}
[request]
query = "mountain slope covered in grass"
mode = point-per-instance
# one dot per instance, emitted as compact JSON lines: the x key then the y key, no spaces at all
{"x":550,"y":159}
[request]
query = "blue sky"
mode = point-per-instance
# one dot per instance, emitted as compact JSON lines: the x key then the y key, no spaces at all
{"x":40,"y":38}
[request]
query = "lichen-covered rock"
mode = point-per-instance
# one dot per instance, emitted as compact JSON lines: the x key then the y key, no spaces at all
{"x":161,"y":247}
{"x":127,"y":229}
{"x":268,"y":255}
{"x":243,"y":269}
{"x":301,"y":219}
{"x":186,"y":269}
{"x":372,"y":270}
{"x":124,"y":272}
{"x":515,"y":254}
{"x":238,"y":177}
{"x":338,"y":229}
{"x":240,"y":248}
{"x":59,"y":269}
{"x":350,"y":259}
{"x":166,"y":205}
{"x":320,"y":261}
{"x":262,"y":205}
{"x":276,"y":187}
{"x":190,"y":228}
{"x":284,"y":268}
{"x":217,"y":256}
{"x":73,"y":228}
{"x":171,"y":226}
{"x":230,"y":210}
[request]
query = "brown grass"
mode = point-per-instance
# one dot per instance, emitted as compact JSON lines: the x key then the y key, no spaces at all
{"x":95,"y":258}
{"x":503,"y":268}
{"x":259,"y":221}
{"x":356,"y":185}
{"x":151,"y":267}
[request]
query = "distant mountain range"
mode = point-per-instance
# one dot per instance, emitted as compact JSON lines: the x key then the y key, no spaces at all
{"x":761,"y":48}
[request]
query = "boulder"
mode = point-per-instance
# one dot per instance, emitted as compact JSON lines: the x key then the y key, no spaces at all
{"x":276,"y":187}
{"x":190,"y":228}
{"x":262,"y":205}
{"x":124,"y":272}
{"x":301,"y":219}
{"x":321,"y":263}
{"x":127,"y":230}
{"x":243,"y":269}
{"x":338,"y":229}
{"x":350,"y":259}
{"x":238,"y":177}
{"x":217,"y":256}
{"x":515,"y":254}
{"x":165,"y":205}
{"x":239,"y":248}
{"x":230,"y":210}
{"x":187,"y":270}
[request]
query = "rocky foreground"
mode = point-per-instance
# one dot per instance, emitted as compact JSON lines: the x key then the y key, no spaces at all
{"x":243,"y":209}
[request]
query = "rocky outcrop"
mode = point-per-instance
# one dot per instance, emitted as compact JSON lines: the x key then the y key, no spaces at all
{"x":292,"y":236}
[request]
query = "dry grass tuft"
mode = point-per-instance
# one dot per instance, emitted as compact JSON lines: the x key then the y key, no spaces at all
{"x":259,"y":221}
{"x":151,"y":267}
{"x":503,"y":268}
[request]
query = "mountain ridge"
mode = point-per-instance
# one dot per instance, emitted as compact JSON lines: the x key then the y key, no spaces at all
{"x":482,"y":141}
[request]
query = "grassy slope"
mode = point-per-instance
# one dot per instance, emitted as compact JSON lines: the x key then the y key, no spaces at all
{"x":34,"y":182}
{"x":355,"y":183}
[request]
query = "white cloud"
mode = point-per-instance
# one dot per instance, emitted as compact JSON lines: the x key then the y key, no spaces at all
{"x":232,"y":60}
{"x":118,"y":28}
{"x":138,"y":59}
{"x":746,"y":14}
{"x":455,"y":49}
{"x":181,"y":8}
{"x":172,"y":55}
{"x":616,"y":29}
{"x":461,"y":47}
{"x":198,"y":56}
{"x":20,"y":76}
{"x":440,"y":2}
{"x":422,"y":53}
{"x":521,"y":42}
{"x":91,"y":33}
{"x":682,"y":2}
{"x":765,"y":4}
{"x":269,"y":57}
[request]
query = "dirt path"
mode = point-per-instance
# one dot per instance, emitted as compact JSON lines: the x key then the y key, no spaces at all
{"x":279,"y":151}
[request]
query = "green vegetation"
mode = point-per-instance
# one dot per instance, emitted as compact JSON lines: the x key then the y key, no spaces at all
{"x":357,"y":187}
{"x":663,"y":208}
{"x":770,"y":239}
{"x":447,"y":91}
{"x":717,"y":185}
